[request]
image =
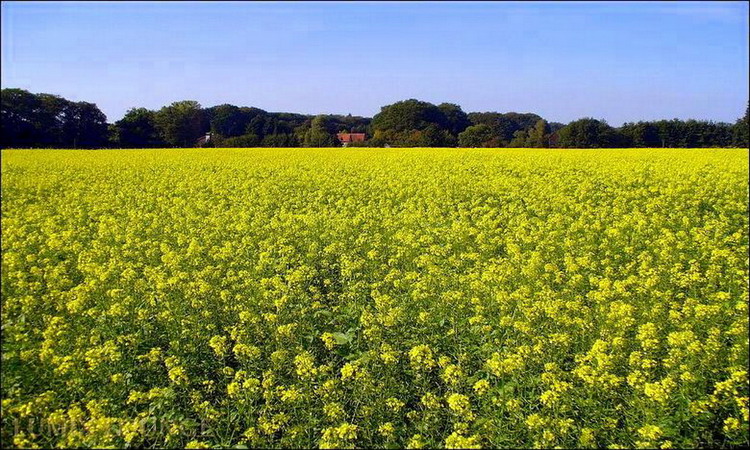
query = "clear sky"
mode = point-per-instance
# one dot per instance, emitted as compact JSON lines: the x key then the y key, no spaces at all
{"x":619,"y":61}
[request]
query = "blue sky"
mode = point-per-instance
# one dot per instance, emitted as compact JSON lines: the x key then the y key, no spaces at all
{"x":618,"y":61}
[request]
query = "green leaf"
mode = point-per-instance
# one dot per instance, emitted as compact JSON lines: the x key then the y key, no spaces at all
{"x":341,"y":338}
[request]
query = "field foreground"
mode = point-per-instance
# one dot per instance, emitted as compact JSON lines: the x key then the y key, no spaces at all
{"x":375,"y":298}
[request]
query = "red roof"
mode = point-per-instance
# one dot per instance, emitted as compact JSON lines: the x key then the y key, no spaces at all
{"x":346,"y":138}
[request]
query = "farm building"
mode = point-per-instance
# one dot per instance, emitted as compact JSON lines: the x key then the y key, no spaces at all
{"x":203,"y":140}
{"x":348,"y":138}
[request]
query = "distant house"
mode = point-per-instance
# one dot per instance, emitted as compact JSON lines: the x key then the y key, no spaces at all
{"x":203,"y":140}
{"x":348,"y":138}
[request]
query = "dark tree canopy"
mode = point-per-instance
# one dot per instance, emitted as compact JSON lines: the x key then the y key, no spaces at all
{"x":476,"y":136}
{"x":228,"y":120}
{"x":408,"y":115}
{"x":536,"y":137}
{"x":21,"y":115}
{"x":50,"y":121}
{"x":590,"y":133}
{"x":45,"y":120}
{"x":504,"y":125}
{"x":456,"y":119}
{"x":83,"y":125}
{"x":741,"y":131}
{"x":181,"y":123}
{"x":318,"y":133}
{"x":641,"y":134}
{"x":137,"y":129}
{"x":414,"y":123}
{"x":246,"y":140}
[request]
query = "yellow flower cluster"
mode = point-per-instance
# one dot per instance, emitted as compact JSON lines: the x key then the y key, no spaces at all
{"x":339,"y":437}
{"x":378,"y":298}
{"x":305,"y":365}
{"x":421,"y":358}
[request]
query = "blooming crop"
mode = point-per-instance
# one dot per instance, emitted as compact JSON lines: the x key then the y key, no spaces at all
{"x":393,"y":298}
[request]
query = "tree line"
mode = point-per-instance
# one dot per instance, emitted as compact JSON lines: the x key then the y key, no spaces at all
{"x":50,"y":121}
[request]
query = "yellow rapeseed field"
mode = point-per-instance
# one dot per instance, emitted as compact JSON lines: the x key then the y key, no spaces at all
{"x":375,"y":298}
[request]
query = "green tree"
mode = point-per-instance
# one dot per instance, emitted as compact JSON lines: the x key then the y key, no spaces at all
{"x":137,"y":129}
{"x":317,"y":135}
{"x":504,"y":125}
{"x":20,"y":118}
{"x":50,"y":121}
{"x":281,"y":140}
{"x":741,"y":131}
{"x":641,"y":134}
{"x":669,"y":132}
{"x":349,"y":123}
{"x":589,"y":133}
{"x":83,"y":126}
{"x":536,"y":137}
{"x":244,"y":141}
{"x":433,"y":136}
{"x":520,"y":139}
{"x":229,"y":120}
{"x":181,"y":123}
{"x":413,"y":123}
{"x":45,"y":120}
{"x":409,"y":115}
{"x":475,"y":136}
{"x":456,"y":119}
